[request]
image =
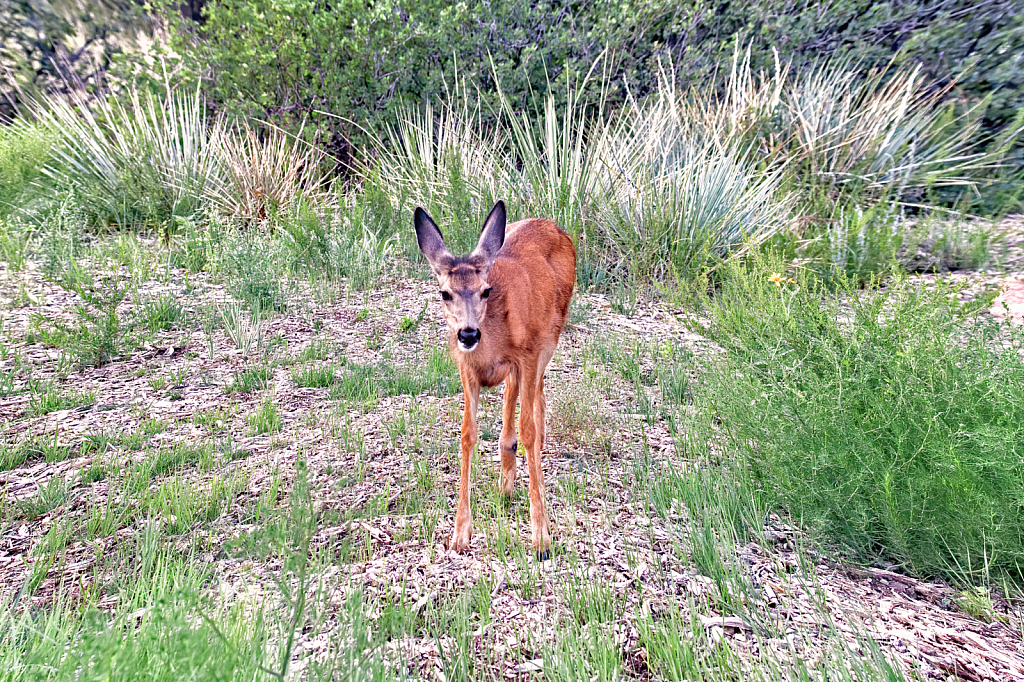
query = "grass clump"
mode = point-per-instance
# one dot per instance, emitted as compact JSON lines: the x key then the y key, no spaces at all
{"x":52,"y":400}
{"x":161,"y":313}
{"x":890,"y":421}
{"x":266,"y":419}
{"x":251,"y":379}
{"x":171,"y":459}
{"x":50,"y":496}
{"x":370,"y":383}
{"x":314,"y":377}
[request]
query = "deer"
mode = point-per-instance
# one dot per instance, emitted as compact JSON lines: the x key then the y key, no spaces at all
{"x":504,"y":305}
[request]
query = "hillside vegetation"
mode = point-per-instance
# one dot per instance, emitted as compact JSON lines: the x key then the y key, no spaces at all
{"x":785,"y":433}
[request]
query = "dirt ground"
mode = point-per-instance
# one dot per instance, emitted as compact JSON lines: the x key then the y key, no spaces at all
{"x":922,"y":626}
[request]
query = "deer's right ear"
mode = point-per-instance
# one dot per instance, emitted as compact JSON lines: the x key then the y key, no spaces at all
{"x":492,"y":236}
{"x":429,"y":238}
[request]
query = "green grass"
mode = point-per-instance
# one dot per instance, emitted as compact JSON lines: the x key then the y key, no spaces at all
{"x":161,"y":629}
{"x":24,"y":148}
{"x":171,"y":459}
{"x":181,"y":507}
{"x":50,"y":496}
{"x":161,"y":313}
{"x":885,"y":425}
{"x":367,"y":384}
{"x":266,"y":419}
{"x":888,"y":421}
{"x":255,"y":378}
{"x":318,"y":349}
{"x":314,"y":377}
{"x":52,"y":400}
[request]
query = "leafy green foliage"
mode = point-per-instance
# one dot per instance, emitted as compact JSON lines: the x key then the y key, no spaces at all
{"x":98,"y":333}
{"x":363,"y":61}
{"x":889,"y":421}
{"x":254,"y":273}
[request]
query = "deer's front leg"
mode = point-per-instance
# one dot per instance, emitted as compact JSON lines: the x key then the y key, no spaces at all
{"x":463,"y":517}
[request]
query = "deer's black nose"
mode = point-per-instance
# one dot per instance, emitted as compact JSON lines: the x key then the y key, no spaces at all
{"x":469,"y":337}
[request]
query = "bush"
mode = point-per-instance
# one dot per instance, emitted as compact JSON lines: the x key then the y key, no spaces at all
{"x":890,"y":422}
{"x":363,"y":62}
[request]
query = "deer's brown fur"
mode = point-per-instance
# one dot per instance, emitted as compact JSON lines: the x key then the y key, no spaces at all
{"x":509,"y":300}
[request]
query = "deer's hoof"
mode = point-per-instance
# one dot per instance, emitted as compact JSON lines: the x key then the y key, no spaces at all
{"x":460,"y":538}
{"x":544,"y":556}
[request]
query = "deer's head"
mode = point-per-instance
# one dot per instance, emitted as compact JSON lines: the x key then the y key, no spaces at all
{"x":462,"y":279}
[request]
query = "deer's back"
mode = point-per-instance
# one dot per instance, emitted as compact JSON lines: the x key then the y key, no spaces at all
{"x":532,"y":280}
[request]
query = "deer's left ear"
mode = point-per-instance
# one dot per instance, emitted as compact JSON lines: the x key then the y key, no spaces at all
{"x":493,"y":234}
{"x":430,"y":241}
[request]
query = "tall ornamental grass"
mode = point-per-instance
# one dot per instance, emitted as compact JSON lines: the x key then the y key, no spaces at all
{"x":145,"y":160}
{"x":133,"y":162}
{"x":685,"y":175}
{"x":650,"y":190}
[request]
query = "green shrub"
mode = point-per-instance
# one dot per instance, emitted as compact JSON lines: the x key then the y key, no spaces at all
{"x":889,"y":421}
{"x":161,"y":313}
{"x":356,"y":242}
{"x":363,"y":61}
{"x":97,"y":333}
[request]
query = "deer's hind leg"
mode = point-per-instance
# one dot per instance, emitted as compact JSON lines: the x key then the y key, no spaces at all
{"x":540,"y":406}
{"x":540,"y":532}
{"x":508,"y":443}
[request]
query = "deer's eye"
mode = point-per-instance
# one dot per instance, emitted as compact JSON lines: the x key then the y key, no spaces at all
{"x":445,"y":295}
{"x":486,"y":293}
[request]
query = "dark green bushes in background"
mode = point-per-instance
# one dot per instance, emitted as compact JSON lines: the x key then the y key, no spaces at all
{"x":363,"y":61}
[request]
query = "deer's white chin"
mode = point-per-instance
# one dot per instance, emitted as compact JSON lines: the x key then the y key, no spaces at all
{"x":467,"y":349}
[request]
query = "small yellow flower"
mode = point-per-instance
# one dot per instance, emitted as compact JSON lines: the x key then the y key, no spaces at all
{"x":776,"y":278}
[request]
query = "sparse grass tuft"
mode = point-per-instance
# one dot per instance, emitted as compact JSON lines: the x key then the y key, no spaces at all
{"x":50,"y":496}
{"x":161,"y":313}
{"x":266,"y":419}
{"x":314,"y":377}
{"x":255,"y":378}
{"x":52,"y":400}
{"x":369,"y":383}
